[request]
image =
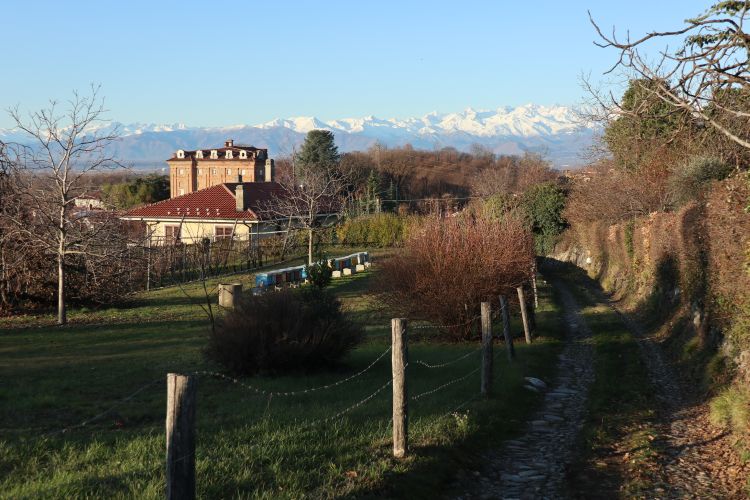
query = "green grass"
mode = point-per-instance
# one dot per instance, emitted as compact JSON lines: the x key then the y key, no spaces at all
{"x":248,"y":445}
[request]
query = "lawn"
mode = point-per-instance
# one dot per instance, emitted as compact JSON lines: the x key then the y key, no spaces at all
{"x":249,"y":444}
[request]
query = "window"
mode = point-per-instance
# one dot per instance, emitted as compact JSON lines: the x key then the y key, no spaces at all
{"x":242,"y":172}
{"x":229,"y":171}
{"x":171,"y":234}
{"x":199,"y":154}
{"x":182,"y":171}
{"x":213,"y":171}
{"x":223,"y":232}
{"x":182,"y":191}
{"x":243,"y":154}
{"x":229,"y":155}
{"x":200,"y":171}
{"x":180,"y":154}
{"x":214,"y":154}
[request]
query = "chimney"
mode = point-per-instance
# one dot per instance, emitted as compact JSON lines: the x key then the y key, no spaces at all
{"x":241,"y":197}
{"x":229,"y":143}
{"x":269,"y":170}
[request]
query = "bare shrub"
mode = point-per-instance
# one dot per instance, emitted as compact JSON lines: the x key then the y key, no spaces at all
{"x":611,"y":194}
{"x":512,"y":174}
{"x":282,"y":332}
{"x":449,"y":266}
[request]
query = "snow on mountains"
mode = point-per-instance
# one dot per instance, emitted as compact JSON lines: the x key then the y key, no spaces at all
{"x":551,"y":130}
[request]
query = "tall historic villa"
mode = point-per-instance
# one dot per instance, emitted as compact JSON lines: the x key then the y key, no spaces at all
{"x":191,"y":171}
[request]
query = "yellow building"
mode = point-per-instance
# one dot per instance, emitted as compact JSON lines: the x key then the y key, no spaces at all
{"x":191,"y":171}
{"x":222,"y":211}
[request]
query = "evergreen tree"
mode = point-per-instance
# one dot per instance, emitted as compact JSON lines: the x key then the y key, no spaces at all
{"x":319,"y":152}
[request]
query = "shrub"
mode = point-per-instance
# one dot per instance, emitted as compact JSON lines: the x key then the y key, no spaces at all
{"x":282,"y":332}
{"x":688,"y":182}
{"x":319,"y":273}
{"x":731,"y":410}
{"x":380,"y":230}
{"x":448,"y":266}
{"x":543,"y":205}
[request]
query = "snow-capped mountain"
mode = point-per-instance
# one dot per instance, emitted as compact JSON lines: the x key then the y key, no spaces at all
{"x":552,"y":130}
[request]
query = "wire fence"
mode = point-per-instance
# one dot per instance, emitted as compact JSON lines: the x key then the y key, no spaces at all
{"x":449,"y":366}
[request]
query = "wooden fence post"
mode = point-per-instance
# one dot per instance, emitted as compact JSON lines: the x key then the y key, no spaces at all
{"x":506,"y":328}
{"x":533,"y":285}
{"x":524,"y":314}
{"x":181,"y":390}
{"x":399,"y":357}
{"x":486,"y":349}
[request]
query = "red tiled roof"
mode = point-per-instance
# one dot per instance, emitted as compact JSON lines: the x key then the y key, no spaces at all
{"x":215,"y":202}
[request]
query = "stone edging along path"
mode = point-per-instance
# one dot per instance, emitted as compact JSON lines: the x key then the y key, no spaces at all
{"x":534,"y":465}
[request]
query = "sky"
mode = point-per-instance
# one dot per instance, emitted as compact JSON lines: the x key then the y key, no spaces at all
{"x":246,"y":62}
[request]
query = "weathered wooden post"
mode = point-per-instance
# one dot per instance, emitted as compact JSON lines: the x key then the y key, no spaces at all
{"x":524,"y":314}
{"x":486,"y":349}
{"x":399,"y":356}
{"x":230,"y":294}
{"x":506,"y":328}
{"x":181,"y":390}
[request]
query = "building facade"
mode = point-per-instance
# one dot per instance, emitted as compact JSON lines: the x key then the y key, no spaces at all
{"x":191,"y":171}
{"x":224,"y":211}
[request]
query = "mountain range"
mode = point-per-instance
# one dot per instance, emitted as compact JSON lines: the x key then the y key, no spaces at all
{"x":554,"y":131}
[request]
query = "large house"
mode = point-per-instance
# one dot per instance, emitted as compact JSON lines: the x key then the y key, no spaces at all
{"x":219,"y":212}
{"x":191,"y":171}
{"x":216,"y":194}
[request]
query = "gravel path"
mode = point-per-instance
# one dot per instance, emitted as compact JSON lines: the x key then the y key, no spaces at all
{"x":534,"y":465}
{"x":697,"y":459}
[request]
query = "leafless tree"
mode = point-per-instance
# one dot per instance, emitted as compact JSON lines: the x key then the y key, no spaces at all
{"x":49,"y":172}
{"x":708,"y":76}
{"x":309,"y":202}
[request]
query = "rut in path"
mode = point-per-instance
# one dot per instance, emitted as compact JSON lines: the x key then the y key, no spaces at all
{"x":534,"y":465}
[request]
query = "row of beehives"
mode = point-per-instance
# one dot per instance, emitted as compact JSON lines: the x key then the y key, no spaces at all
{"x":342,"y":266}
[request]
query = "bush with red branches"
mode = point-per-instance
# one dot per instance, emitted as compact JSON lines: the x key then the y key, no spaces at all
{"x":449,"y":266}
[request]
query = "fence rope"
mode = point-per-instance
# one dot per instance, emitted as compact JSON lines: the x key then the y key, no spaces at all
{"x":443,"y":327}
{"x":447,"y":384}
{"x":258,"y":390}
{"x":343,"y":412}
{"x":447,"y":363}
{"x":105,"y":412}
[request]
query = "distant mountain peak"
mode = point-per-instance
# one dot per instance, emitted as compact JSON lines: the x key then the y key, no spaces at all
{"x":552,"y":130}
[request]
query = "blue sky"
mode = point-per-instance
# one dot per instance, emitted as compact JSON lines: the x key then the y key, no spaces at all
{"x":221,"y":63}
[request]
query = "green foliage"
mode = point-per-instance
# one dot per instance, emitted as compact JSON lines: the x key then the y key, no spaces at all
{"x":543,"y":205}
{"x":318,"y":152}
{"x":380,"y":230}
{"x":731,"y":409}
{"x":319,"y":273}
{"x":284,"y":332}
{"x":688,"y":182}
{"x":646,"y":121}
{"x":499,"y":205}
{"x":629,"y":246}
{"x":147,"y":189}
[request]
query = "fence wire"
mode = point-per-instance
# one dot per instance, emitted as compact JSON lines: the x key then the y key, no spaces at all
{"x":105,"y":412}
{"x":447,"y":363}
{"x":264,"y":392}
{"x":308,"y":425}
{"x":443,"y":386}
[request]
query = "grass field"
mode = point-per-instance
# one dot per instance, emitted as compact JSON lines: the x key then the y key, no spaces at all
{"x":249,"y":444}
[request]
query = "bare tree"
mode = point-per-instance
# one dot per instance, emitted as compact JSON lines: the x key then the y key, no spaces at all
{"x":309,"y":204}
{"x":708,"y":76}
{"x":49,"y":173}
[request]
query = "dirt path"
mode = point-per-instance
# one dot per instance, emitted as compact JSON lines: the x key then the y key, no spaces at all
{"x":534,"y":465}
{"x":696,"y":459}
